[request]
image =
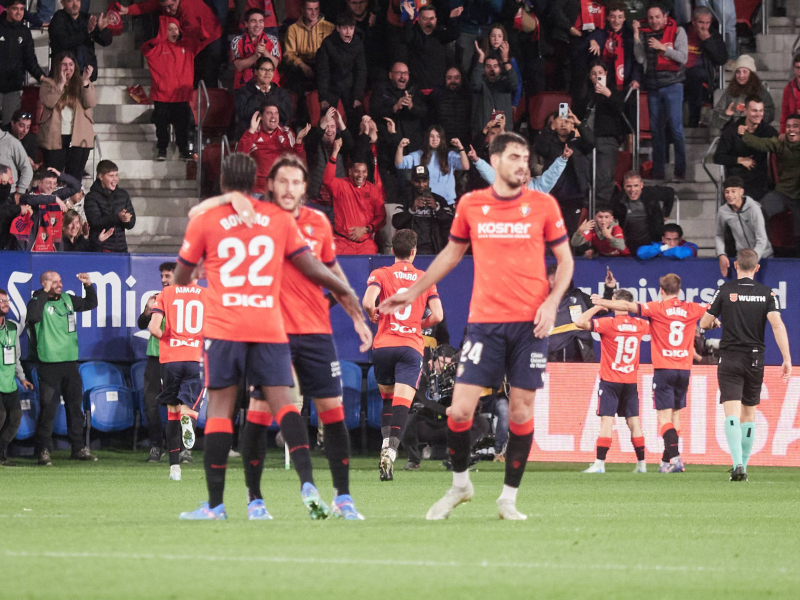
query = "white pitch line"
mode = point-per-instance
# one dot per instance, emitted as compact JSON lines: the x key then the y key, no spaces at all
{"x":360,"y":562}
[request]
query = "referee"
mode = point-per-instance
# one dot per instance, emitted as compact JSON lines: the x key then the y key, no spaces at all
{"x":744,"y":307}
{"x":53,"y":332}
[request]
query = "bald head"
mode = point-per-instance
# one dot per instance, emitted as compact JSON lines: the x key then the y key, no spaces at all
{"x":47,"y":276}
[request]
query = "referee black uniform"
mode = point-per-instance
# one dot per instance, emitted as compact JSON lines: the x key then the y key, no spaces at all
{"x":742,"y":306}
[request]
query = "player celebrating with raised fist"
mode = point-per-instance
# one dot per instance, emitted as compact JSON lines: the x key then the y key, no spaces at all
{"x":510,"y":315}
{"x":398,"y":347}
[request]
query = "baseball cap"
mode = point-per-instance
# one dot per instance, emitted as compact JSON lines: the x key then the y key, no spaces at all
{"x":420,"y":172}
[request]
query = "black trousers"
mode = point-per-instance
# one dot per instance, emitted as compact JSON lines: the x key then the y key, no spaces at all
{"x":10,"y":417}
{"x":208,"y":63}
{"x":695,"y":93}
{"x":69,"y":159}
{"x":177,"y":114}
{"x":152,"y":388}
{"x":59,"y":380}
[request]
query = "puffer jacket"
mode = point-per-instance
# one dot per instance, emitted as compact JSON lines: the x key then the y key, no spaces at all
{"x":102,"y":211}
{"x":341,"y":69}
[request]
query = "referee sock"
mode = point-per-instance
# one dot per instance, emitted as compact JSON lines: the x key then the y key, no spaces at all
{"x":254,"y":450}
{"x":670,"y":436}
{"x":218,"y":440}
{"x":638,"y":446}
{"x":173,"y":434}
{"x":386,"y":417}
{"x":295,"y":433}
{"x":520,"y":440}
{"x":733,"y":433}
{"x":458,"y":444}
{"x":400,"y":408}
{"x":337,"y":448}
{"x":603,"y":446}
{"x":748,"y":437}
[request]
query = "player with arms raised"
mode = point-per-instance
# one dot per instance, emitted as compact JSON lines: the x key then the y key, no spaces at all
{"x":618,"y":393}
{"x":672,"y":327}
{"x":398,"y":347}
{"x":510,"y":315}
{"x":244,"y":329}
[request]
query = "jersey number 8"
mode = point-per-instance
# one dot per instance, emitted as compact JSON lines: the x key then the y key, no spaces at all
{"x":676,"y":333}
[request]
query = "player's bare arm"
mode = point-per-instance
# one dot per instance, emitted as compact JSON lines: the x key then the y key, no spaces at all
{"x":546,"y":314}
{"x":445,"y":262}
{"x":782,"y":339}
{"x":585,"y":320}
{"x":155,"y":325}
{"x":241,"y":204}
{"x":183,"y":274}
{"x":368,"y":302}
{"x":623,"y":305}
{"x":708,"y":320}
{"x":437,"y":313}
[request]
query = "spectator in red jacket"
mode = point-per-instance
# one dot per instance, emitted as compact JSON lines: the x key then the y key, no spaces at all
{"x":195,"y":17}
{"x":600,"y":237}
{"x":254,"y":43}
{"x":791,"y":95}
{"x":358,"y":209}
{"x":266,"y":140}
{"x":170,"y":57}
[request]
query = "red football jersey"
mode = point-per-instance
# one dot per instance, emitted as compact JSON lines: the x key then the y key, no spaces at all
{"x":673,"y":323}
{"x":305,"y":308}
{"x":508,"y":237}
{"x":244,"y":269}
{"x":182,"y":336}
{"x":620,"y":340}
{"x":403,"y":328}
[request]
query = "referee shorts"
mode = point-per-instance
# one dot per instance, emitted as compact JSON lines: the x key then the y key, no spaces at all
{"x":740,"y":375}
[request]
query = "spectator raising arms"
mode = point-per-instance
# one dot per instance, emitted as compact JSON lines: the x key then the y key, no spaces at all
{"x":791,"y":95}
{"x":441,"y":164}
{"x":74,"y":31}
{"x":66,"y":130}
{"x":16,"y":48}
{"x":745,"y":82}
{"x":494,"y":84}
{"x":170,"y":57}
{"x":109,"y":207}
{"x":341,"y":68}
{"x":426,"y":43}
{"x":319,"y":147}
{"x":741,"y":216}
{"x":252,"y":97}
{"x":253,"y":44}
{"x":493,"y":46}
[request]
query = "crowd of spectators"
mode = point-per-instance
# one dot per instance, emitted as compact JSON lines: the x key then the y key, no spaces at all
{"x":393,"y":104}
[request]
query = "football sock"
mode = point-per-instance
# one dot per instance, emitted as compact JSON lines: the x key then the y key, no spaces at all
{"x":748,"y":437}
{"x":400,"y":408}
{"x":386,"y":416}
{"x":294,"y":432}
{"x":670,"y":436}
{"x":218,"y":440}
{"x":638,"y":445}
{"x":509,"y":493}
{"x":603,"y":444}
{"x":520,"y":439}
{"x":733,"y":433}
{"x":173,"y":434}
{"x":458,"y":444}
{"x":337,"y":448}
{"x":254,"y":449}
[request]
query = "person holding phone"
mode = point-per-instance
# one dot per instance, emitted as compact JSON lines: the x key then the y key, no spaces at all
{"x":494,"y":83}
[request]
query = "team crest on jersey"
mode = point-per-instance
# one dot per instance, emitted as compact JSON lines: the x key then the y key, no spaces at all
{"x":281,"y":138}
{"x":309,"y":229}
{"x":485,"y":209}
{"x":525,"y":209}
{"x":733,"y":297}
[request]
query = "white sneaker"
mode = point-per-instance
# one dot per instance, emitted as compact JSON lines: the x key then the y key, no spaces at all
{"x":175,"y":473}
{"x":598,"y":466}
{"x":454,"y":496}
{"x":387,"y":464}
{"x":507,"y":510}
{"x":641,"y":467}
{"x":187,"y":432}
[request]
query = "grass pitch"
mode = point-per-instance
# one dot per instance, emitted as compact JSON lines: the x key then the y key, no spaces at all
{"x":110,"y":530}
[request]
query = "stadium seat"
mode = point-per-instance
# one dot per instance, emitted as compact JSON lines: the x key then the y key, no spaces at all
{"x":624,"y":164}
{"x":374,"y":401}
{"x":111,"y":408}
{"x":746,"y":11}
{"x":314,"y":110}
{"x":98,"y":373}
{"x":781,"y":233}
{"x":29,"y":400}
{"x":219,"y":115}
{"x":366,"y":100}
{"x":644,"y":118}
{"x":542,"y":104}
{"x":351,"y":387}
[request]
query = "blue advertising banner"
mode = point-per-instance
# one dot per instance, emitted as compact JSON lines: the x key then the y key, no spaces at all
{"x":124,"y":282}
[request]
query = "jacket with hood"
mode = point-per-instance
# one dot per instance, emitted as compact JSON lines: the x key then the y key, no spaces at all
{"x":488,"y":96}
{"x":302,"y":41}
{"x":16,"y":48}
{"x":788,"y":154}
{"x":72,"y":35}
{"x":249,"y":99}
{"x":341,"y":69}
{"x":102,"y":212}
{"x":747,"y":227}
{"x":171,"y":64}
{"x":197,"y":19}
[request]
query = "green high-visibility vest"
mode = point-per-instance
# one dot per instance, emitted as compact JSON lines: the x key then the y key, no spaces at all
{"x":152,"y":343}
{"x":57,"y":332}
{"x":8,"y":341}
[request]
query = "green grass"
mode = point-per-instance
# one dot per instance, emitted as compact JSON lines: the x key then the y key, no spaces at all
{"x":110,"y":530}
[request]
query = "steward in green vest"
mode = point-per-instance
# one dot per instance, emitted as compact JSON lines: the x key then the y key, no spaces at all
{"x":10,"y":370}
{"x":53,"y":331}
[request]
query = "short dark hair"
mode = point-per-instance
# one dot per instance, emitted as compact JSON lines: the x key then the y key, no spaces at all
{"x":604,"y":208}
{"x":623,"y":294}
{"x":670,"y":283}
{"x":747,"y":258}
{"x":733,"y":181}
{"x":260,"y":61}
{"x":632,"y":175}
{"x":616,"y":5}
{"x":267,"y":104}
{"x":238,"y":173}
{"x":167,"y":266}
{"x":659,"y":6}
{"x":598,"y":63}
{"x":502,"y":141}
{"x":304,"y":2}
{"x":701,"y":10}
{"x":346,"y":19}
{"x":674,"y":228}
{"x":793,"y":117}
{"x":17,"y":116}
{"x":11,"y":3}
{"x":253,"y":11}
{"x":796,"y":58}
{"x":288,"y":160}
{"x":426,"y":7}
{"x":3,"y":292}
{"x":403,"y":243}
{"x":753,"y":98}
{"x":44,"y":173}
{"x":106,"y":166}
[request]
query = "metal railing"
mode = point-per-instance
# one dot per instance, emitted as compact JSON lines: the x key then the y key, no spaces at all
{"x":717,"y":182}
{"x":202,"y":95}
{"x":225,"y":151}
{"x":634,"y":131}
{"x":97,"y":155}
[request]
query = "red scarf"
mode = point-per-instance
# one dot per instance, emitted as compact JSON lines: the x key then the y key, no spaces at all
{"x":668,"y":39}
{"x":615,"y":51}
{"x":591,"y":17}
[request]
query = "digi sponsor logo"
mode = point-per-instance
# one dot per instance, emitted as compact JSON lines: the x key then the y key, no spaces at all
{"x":248,"y":300}
{"x":188,"y":343}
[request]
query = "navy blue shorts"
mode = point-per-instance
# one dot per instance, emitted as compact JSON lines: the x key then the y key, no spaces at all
{"x":617,"y":399}
{"x":397,"y":364}
{"x":227,"y":363}
{"x":669,"y":388}
{"x":492,"y":350}
{"x":180,"y":383}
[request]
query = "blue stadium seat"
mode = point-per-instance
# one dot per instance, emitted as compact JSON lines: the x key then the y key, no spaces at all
{"x":29,"y":399}
{"x":111,"y":408}
{"x":98,"y":373}
{"x":374,"y":401}
{"x":137,"y":385}
{"x":351,"y":384}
